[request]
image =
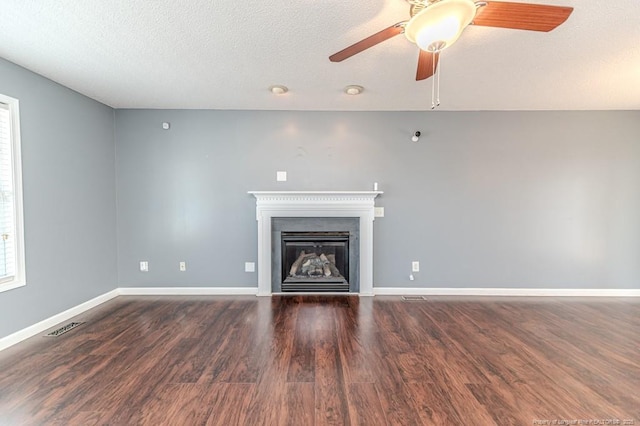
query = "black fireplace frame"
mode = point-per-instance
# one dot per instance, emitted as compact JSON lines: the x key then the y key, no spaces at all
{"x":326,"y":225}
{"x":318,"y":242}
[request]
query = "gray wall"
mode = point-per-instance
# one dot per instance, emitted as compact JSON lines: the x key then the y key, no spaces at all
{"x":484,"y":199}
{"x":69,"y":199}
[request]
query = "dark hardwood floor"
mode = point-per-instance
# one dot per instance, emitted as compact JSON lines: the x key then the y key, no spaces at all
{"x":331,"y":360}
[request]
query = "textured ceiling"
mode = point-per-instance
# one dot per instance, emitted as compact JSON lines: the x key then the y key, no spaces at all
{"x":224,"y":54}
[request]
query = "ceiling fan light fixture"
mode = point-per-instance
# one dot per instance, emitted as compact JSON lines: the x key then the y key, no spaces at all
{"x":440,"y":24}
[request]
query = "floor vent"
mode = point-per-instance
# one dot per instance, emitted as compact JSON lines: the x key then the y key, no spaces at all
{"x":63,"y":329}
{"x":413,"y":298}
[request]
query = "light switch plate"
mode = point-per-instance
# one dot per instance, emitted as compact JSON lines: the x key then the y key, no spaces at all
{"x":249,"y":266}
{"x":378,"y":211}
{"x":281,"y":176}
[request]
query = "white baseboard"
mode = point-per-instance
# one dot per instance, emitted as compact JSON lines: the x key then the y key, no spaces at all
{"x":253,"y":291}
{"x":44,"y":325}
{"x":574,"y":292}
{"x":187,"y":291}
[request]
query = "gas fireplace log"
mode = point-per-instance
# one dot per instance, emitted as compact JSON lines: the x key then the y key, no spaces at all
{"x":314,"y":265}
{"x":306,"y":267}
{"x":325,"y":265}
{"x":326,"y":270}
{"x":334,"y":271}
{"x":296,"y":264}
{"x":315,"y":271}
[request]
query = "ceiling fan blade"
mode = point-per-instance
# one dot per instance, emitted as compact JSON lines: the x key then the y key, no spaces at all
{"x":368,"y":42}
{"x":427,"y":63}
{"x":521,"y":16}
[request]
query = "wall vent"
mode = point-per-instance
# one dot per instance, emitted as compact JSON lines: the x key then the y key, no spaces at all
{"x":63,"y":329}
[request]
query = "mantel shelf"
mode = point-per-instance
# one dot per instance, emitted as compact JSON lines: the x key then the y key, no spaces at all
{"x":322,"y":194}
{"x":316,"y":192}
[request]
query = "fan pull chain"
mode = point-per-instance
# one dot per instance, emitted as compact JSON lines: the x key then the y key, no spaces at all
{"x":435,"y":81}
{"x":438,"y":72}
{"x":433,"y":84}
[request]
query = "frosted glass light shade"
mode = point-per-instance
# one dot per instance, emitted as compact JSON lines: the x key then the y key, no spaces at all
{"x":440,"y":24}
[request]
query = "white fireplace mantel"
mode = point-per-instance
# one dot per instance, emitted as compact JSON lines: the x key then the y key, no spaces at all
{"x":270,"y":204}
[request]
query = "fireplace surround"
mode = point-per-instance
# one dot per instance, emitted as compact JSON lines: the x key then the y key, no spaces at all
{"x":315,"y":204}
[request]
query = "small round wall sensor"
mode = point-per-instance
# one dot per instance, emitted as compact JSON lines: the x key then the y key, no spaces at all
{"x":166,"y":125}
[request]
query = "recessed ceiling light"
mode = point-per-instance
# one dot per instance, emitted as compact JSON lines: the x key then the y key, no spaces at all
{"x":353,"y":90}
{"x":278,"y":89}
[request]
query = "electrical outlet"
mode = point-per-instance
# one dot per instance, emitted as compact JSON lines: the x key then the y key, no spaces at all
{"x":249,"y":266}
{"x":281,"y":176}
{"x":144,"y":266}
{"x":378,"y":211}
{"x":183,"y":266}
{"x":415,"y":266}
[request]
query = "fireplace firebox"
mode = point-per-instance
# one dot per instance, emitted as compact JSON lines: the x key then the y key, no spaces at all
{"x":315,"y":261}
{"x":315,"y":254}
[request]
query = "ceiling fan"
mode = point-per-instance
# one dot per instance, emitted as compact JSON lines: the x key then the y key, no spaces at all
{"x":437,"y":24}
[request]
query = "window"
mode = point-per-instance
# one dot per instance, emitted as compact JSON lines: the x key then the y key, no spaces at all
{"x":12,"y":271}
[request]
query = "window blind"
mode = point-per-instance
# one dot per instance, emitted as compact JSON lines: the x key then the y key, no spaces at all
{"x":7,"y":204}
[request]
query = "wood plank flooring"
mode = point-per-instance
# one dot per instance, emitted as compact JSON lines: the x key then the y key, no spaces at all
{"x":331,"y":360}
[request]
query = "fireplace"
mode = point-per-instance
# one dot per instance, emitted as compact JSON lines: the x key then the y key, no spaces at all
{"x":356,"y":206}
{"x":315,"y":254}
{"x":315,"y":261}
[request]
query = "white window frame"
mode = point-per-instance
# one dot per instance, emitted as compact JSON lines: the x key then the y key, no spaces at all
{"x":19,"y":279}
